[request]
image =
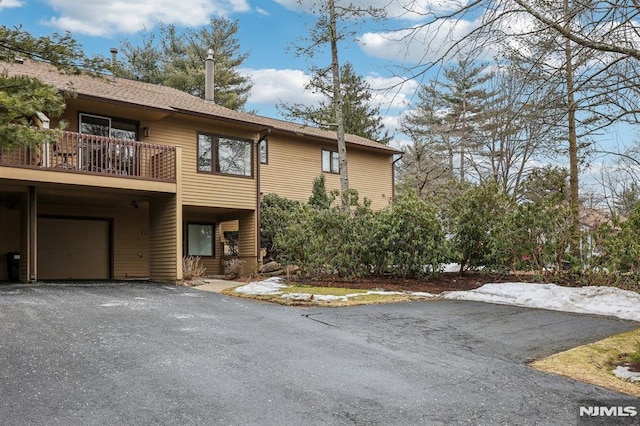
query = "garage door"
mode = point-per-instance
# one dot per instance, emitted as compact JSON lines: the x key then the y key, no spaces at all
{"x":73,"y":249}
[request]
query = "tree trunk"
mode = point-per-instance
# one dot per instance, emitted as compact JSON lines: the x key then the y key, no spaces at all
{"x":574,"y":198}
{"x":463,"y":135}
{"x":337,"y":107}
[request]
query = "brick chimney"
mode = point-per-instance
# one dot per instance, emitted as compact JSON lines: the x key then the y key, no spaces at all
{"x":208,"y":77}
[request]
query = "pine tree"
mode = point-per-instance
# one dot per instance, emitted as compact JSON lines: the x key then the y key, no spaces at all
{"x":449,"y":112}
{"x":176,"y":59}
{"x":22,"y":97}
{"x":360,"y":116}
{"x":319,"y":197}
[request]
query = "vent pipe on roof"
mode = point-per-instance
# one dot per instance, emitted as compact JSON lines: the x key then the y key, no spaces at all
{"x":208,"y":77}
{"x":114,"y":61}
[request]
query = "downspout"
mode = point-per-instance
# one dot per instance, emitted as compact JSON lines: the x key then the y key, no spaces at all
{"x":262,"y":136}
{"x":393,"y":176}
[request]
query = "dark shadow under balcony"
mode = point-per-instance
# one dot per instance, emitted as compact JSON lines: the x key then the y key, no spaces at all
{"x":91,"y":154}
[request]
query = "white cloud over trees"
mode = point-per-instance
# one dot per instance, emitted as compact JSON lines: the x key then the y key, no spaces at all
{"x":105,"y":17}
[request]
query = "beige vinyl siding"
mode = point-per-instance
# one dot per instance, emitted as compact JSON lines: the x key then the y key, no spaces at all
{"x":10,"y":241}
{"x":203,"y":189}
{"x":295,"y":163}
{"x":130,"y":237}
{"x":248,"y":240}
{"x":371,"y":174}
{"x":231,"y":225}
{"x":165,"y":242}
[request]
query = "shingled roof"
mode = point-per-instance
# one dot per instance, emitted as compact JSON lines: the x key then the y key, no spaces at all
{"x":168,"y":99}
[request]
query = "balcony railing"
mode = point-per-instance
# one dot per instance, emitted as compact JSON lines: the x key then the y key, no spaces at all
{"x":91,"y":154}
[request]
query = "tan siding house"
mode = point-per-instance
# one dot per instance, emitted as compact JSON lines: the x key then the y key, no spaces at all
{"x":144,"y":175}
{"x":293,"y":164}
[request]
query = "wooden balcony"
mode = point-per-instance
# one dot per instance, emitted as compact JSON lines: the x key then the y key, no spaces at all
{"x":97,"y":155}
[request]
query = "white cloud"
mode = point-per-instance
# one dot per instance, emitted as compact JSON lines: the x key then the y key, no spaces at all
{"x":419,"y":43}
{"x":391,"y":92}
{"x":272,"y":86}
{"x":106,"y":17}
{"x":391,"y":95}
{"x":8,"y":4}
{"x":275,"y":86}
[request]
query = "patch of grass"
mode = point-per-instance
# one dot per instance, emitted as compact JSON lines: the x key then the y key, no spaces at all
{"x":369,"y":299}
{"x":335,"y":291}
{"x":635,"y":356}
{"x":361,"y":299}
{"x":594,"y":362}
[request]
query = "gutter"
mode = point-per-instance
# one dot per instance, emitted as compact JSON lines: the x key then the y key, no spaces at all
{"x":262,"y":136}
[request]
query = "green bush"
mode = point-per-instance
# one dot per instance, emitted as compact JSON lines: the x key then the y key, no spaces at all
{"x":407,"y":238}
{"x":531,"y":236}
{"x":275,"y":212}
{"x":475,"y":221}
{"x":621,"y":248}
{"x":319,"y":197}
{"x":327,"y":241}
{"x":404,"y":239}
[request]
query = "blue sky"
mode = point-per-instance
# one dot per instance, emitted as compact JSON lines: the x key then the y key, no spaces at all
{"x":266,"y":29}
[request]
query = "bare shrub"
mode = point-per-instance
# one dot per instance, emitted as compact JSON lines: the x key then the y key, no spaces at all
{"x":192,"y":269}
{"x":233,"y":267}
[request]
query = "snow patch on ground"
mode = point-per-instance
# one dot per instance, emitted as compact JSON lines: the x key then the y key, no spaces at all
{"x":269,"y":286}
{"x":608,"y":301}
{"x":626,"y":374}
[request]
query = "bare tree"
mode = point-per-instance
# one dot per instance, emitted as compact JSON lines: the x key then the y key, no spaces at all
{"x":592,"y":52}
{"x":516,"y":130}
{"x":424,"y":168}
{"x":328,"y":32}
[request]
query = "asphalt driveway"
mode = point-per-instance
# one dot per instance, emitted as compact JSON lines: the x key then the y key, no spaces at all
{"x":153,"y":354}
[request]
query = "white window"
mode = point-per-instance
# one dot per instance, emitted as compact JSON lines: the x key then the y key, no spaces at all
{"x":330,"y":161}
